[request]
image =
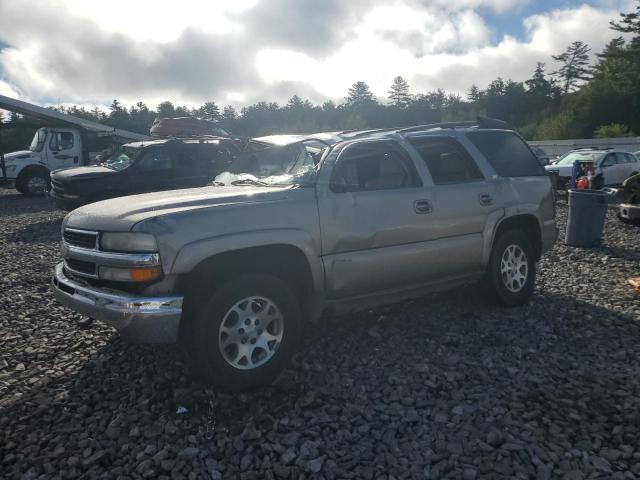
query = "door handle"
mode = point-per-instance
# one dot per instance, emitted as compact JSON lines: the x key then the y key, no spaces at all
{"x":485,"y":199}
{"x":422,"y":206}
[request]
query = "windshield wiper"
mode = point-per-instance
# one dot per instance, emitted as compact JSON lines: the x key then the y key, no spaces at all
{"x":250,"y":181}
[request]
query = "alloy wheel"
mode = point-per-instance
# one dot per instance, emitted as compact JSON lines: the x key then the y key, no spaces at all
{"x":251,"y":332}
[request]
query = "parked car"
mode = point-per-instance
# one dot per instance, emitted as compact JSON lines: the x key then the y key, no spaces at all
{"x":140,"y":167}
{"x":611,"y":167}
{"x":316,"y":226}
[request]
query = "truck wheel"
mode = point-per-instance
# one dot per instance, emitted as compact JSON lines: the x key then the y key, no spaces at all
{"x":34,"y":182}
{"x":511,"y":273}
{"x":245,"y":333}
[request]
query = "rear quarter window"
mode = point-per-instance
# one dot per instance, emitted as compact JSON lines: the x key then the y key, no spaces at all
{"x":507,"y":153}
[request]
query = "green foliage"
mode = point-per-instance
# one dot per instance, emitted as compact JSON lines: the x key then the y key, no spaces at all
{"x":613,"y":130}
{"x":399,"y":92}
{"x":573,"y":102}
{"x":360,"y":96}
{"x":574,"y":66}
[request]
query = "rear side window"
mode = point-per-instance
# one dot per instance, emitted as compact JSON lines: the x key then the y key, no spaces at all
{"x":507,"y":153}
{"x":446,"y":160}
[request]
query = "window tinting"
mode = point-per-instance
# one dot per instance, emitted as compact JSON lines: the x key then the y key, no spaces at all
{"x":154,"y":160}
{"x":507,"y":153}
{"x":373,"y":166}
{"x":446,"y":160}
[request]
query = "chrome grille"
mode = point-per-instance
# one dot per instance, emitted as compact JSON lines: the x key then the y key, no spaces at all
{"x":57,"y":187}
{"x":80,"y":238}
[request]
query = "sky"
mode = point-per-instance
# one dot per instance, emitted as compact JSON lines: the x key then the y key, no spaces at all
{"x":65,"y":52}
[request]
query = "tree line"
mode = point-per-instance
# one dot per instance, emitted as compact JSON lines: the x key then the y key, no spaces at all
{"x":586,"y":96}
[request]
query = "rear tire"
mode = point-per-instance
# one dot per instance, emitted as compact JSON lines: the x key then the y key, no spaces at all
{"x":511,"y":273}
{"x":246,"y":332}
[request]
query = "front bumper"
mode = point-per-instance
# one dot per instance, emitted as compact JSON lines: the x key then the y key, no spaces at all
{"x":629,"y":212}
{"x":138,"y":319}
{"x":66,"y":204}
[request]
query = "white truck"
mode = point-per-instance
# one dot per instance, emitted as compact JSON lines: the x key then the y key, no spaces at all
{"x":72,"y":142}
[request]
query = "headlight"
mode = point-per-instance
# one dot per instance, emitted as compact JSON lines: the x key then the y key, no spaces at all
{"x":135,"y":274}
{"x":128,"y":242}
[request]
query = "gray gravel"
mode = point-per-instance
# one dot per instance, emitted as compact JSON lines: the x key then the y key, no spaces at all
{"x":443,"y":387}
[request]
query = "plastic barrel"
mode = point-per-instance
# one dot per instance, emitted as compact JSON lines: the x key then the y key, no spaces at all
{"x":587,"y":211}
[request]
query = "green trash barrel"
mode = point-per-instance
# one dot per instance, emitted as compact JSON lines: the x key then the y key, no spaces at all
{"x":585,"y":223}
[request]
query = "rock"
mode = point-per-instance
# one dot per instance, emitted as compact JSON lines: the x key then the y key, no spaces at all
{"x":315,"y":465}
{"x":97,"y":457}
{"x":288,"y":456}
{"x":189,"y":452}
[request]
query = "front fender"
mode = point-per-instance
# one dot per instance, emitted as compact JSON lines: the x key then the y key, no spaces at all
{"x":191,"y":254}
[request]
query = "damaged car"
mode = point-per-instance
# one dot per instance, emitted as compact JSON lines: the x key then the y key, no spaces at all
{"x":301,"y":227}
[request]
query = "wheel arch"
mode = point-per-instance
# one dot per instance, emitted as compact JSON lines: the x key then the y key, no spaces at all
{"x":285,"y":261}
{"x":527,"y":223}
{"x":32,"y":168}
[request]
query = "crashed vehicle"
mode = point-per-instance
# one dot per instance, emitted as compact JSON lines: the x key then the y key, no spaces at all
{"x":307,"y":227}
{"x":629,"y":209}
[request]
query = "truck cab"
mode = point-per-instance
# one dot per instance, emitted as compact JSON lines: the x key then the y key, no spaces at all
{"x":51,"y":149}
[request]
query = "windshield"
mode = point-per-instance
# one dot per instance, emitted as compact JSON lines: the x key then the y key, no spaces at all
{"x":274,"y":165}
{"x":38,"y":140}
{"x":571,"y":157}
{"x":122,"y":160}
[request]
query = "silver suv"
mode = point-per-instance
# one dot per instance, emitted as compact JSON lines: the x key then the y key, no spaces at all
{"x":300,"y":227}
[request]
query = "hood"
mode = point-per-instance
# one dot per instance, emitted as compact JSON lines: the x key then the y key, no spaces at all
{"x":20,"y":155}
{"x":81,"y":173}
{"x":121,"y":214}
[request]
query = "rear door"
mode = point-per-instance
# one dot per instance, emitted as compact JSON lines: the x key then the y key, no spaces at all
{"x":153,"y":171}
{"x":630,"y":166}
{"x":191,"y":166}
{"x":609,"y":168}
{"x":463,"y":198}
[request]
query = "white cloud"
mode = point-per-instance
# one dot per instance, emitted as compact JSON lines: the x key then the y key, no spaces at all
{"x":241,"y":51}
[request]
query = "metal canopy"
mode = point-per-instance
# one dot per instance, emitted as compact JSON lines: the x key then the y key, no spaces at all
{"x":48,"y":115}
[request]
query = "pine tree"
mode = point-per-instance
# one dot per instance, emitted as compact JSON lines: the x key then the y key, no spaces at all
{"x":166,"y":110}
{"x":575,"y":66}
{"x":360,"y":95}
{"x":229,"y":113}
{"x":209,"y":111}
{"x":475,"y":94}
{"x":399,"y":92}
{"x":538,"y":85}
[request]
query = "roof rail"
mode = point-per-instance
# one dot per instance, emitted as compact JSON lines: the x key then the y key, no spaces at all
{"x":480,"y":122}
{"x":592,"y":148}
{"x":417,"y":128}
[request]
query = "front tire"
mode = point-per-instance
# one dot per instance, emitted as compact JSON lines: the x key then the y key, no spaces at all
{"x":246,"y":332}
{"x":34,"y":182}
{"x":511,"y":273}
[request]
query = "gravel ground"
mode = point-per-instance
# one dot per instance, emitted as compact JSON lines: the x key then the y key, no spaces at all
{"x":443,"y":387}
